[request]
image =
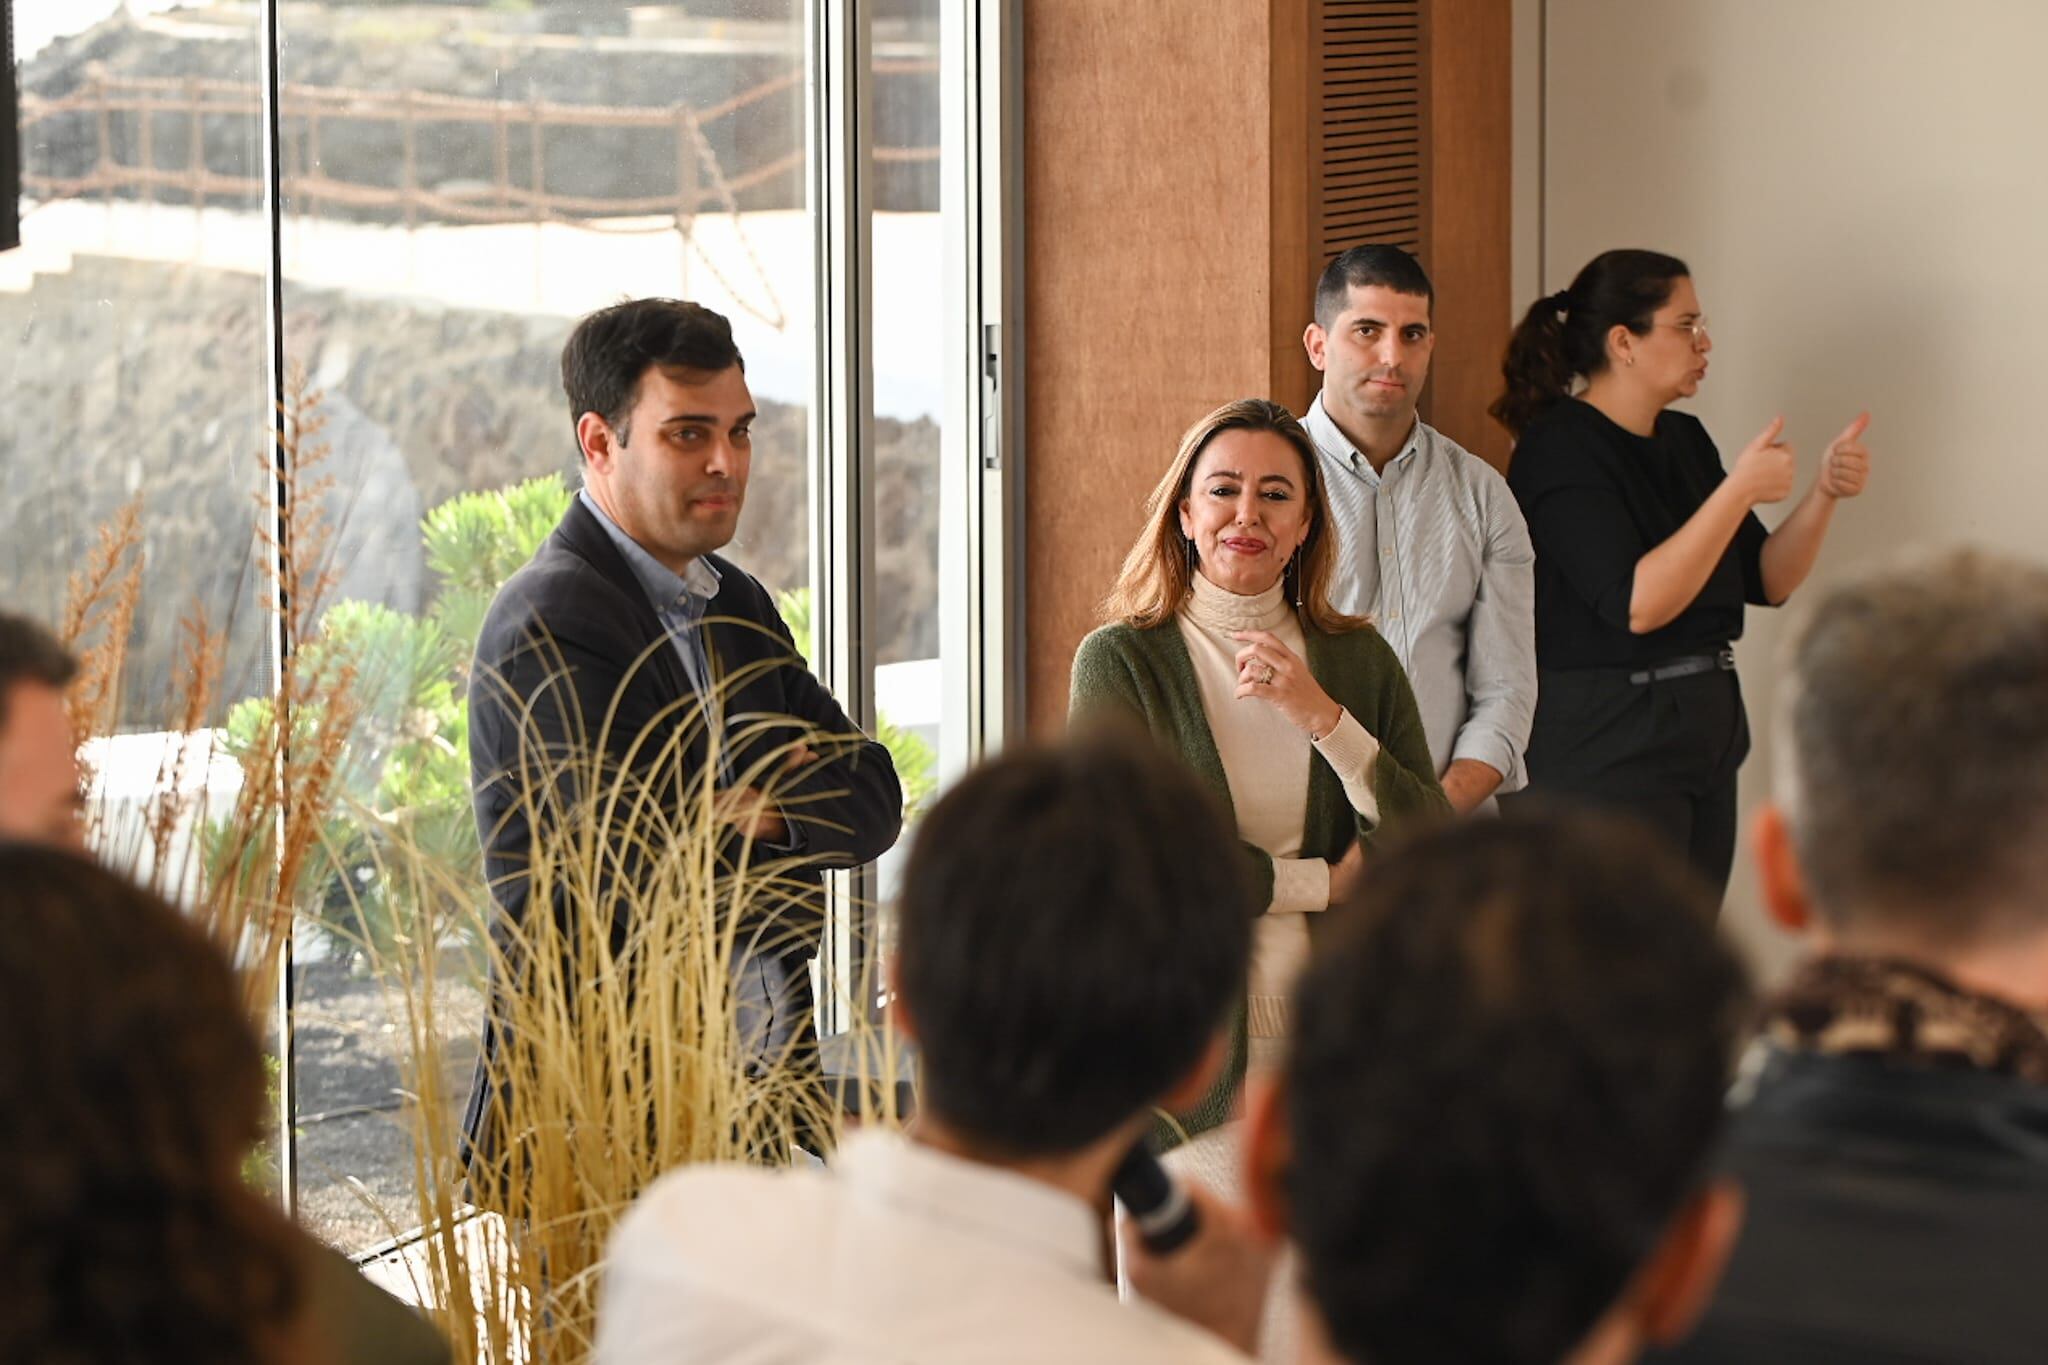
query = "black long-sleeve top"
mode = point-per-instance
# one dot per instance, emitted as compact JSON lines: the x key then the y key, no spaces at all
{"x":1597,"y":498}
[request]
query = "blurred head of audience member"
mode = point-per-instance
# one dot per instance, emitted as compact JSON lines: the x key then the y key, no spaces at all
{"x":1493,"y":1138}
{"x":1891,"y":1126}
{"x":40,"y":795}
{"x":1911,"y":810}
{"x":1073,"y":931}
{"x":134,"y":1090}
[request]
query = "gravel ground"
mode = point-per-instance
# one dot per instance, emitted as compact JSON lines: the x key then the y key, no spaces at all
{"x":355,"y":1167}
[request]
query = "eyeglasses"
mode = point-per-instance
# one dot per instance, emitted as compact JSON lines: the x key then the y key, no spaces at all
{"x":1697,"y":327}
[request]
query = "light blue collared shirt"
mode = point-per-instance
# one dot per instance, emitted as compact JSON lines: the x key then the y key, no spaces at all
{"x":1435,"y":550}
{"x":679,"y":601}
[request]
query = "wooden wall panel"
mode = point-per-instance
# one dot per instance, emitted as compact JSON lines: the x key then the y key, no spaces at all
{"x":1147,"y":278}
{"x":1468,"y":242}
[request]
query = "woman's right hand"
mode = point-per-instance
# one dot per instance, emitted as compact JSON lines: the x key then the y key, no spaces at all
{"x":1765,"y":469}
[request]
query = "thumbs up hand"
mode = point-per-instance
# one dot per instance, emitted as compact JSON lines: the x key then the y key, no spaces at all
{"x":1765,"y":468}
{"x":1846,"y":466}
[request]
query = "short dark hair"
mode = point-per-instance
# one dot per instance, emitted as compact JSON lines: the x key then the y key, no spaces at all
{"x":134,"y":1091}
{"x":613,"y":348}
{"x":1938,"y":667}
{"x":1373,"y":265}
{"x":1506,"y":1078}
{"x":30,"y":653}
{"x":1074,"y":926}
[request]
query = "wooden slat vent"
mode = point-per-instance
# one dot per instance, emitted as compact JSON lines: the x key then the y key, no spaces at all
{"x":1365,"y":110}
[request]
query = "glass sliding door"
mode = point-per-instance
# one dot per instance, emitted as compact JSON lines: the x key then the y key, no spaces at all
{"x":455,"y":182}
{"x":461,"y":181}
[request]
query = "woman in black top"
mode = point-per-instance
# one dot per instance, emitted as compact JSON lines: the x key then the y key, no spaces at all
{"x":1646,"y":550}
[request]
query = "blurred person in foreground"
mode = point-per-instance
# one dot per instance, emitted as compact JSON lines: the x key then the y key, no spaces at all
{"x":1222,"y":640}
{"x":1072,"y":933}
{"x":134,"y":1090}
{"x":41,"y":795}
{"x":348,"y":1319}
{"x":1893,"y":1124}
{"x":1493,"y":1137}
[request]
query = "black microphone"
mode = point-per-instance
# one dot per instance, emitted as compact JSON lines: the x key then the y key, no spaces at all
{"x":1165,"y":1216}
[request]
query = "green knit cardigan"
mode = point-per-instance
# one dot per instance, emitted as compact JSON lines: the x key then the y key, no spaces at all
{"x":1148,"y":674}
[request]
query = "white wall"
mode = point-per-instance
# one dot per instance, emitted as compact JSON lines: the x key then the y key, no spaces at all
{"x":1861,"y":190}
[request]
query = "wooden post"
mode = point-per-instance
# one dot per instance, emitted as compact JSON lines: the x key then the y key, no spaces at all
{"x":539,"y":181}
{"x":314,"y":173}
{"x":409,"y":187}
{"x":501,"y":159}
{"x":195,"y":160}
{"x":104,"y":118}
{"x":145,"y":148}
{"x":686,"y":168}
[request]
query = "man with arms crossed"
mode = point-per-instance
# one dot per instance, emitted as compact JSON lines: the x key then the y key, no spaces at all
{"x":1073,"y":930}
{"x":627,"y":645}
{"x":1430,"y":542}
{"x":1892,"y":1127}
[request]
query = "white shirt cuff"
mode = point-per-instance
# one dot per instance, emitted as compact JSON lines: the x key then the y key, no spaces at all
{"x":1301,"y":886}
{"x":1351,"y":752}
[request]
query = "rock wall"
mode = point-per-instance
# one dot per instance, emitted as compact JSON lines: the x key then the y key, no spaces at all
{"x":123,"y":376}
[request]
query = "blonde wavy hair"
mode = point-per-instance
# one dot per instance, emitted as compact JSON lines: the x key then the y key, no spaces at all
{"x":1158,"y":571}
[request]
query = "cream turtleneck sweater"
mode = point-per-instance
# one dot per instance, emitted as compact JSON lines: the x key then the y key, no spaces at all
{"x":1266,"y":765}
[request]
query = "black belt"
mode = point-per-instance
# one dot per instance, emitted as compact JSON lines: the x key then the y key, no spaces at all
{"x":1685,"y":666}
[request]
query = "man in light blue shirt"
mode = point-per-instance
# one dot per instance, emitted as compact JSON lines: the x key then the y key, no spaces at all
{"x":1430,"y":542}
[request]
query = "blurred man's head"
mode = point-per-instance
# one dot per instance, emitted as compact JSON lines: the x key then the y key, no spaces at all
{"x":1911,"y":793}
{"x":40,"y":797}
{"x":1493,"y":1136}
{"x":1073,"y":929}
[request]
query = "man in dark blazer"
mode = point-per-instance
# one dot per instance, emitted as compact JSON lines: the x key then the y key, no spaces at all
{"x":629,"y":657}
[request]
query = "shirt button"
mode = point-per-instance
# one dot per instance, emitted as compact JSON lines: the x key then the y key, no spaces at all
{"x":1393,"y":616}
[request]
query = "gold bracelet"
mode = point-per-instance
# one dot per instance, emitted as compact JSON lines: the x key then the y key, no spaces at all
{"x":1315,"y":738}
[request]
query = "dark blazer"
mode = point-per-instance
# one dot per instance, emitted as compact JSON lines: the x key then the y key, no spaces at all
{"x":574,"y":674}
{"x":1895,"y":1216}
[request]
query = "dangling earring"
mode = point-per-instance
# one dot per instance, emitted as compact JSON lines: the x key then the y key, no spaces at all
{"x":1193,"y":558}
{"x":1294,"y":566}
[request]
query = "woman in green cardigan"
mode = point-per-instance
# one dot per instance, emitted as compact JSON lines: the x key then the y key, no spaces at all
{"x":1221,"y":639}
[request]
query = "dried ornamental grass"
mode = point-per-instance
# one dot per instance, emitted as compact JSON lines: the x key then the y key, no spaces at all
{"x":624,"y":1054}
{"x":627,"y":1058}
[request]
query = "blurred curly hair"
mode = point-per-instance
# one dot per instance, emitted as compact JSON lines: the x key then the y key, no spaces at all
{"x":133,"y":1086}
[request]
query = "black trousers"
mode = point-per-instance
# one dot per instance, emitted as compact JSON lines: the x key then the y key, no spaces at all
{"x":1665,"y":753}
